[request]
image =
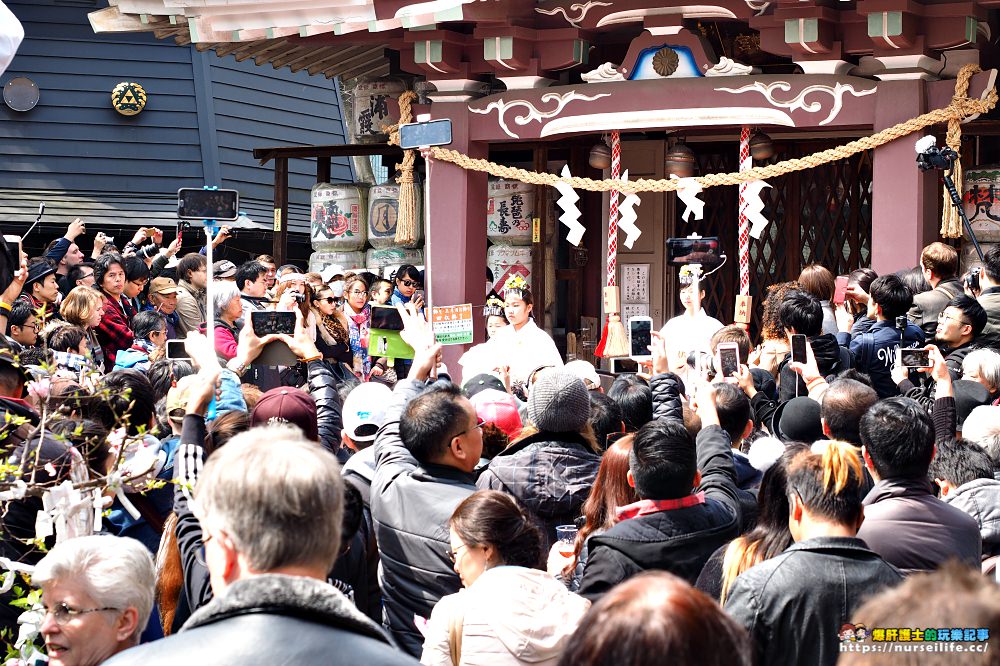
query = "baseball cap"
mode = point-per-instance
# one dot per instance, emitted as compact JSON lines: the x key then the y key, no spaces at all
{"x":364,"y":411}
{"x":224,"y":269}
{"x":482,"y":382}
{"x":330,"y":272}
{"x":177,"y":397}
{"x":287,"y":405}
{"x":498,"y":408}
{"x":586,"y":372}
{"x":163,"y":285}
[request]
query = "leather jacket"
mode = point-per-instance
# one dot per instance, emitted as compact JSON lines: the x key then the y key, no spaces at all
{"x":272,"y":619}
{"x":793,"y":605}
{"x":411,"y":505}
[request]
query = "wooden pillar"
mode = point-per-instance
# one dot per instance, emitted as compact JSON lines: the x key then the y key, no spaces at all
{"x":904,"y":199}
{"x":455,"y":254}
{"x":323,"y":169}
{"x":279,"y":247}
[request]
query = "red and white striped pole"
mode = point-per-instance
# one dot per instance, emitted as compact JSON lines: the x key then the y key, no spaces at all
{"x":746,"y":163}
{"x":616,"y":166}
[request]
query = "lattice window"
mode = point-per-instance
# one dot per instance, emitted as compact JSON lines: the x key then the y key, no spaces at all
{"x":820,"y":215}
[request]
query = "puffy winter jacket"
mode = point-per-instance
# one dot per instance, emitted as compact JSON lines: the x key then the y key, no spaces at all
{"x":981,"y":500}
{"x":511,"y":616}
{"x":411,"y":505}
{"x":550,"y":473}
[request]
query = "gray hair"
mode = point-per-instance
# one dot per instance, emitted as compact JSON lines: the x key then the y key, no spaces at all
{"x":982,"y":427}
{"x":222,"y":295}
{"x":278,"y":496}
{"x":116,"y":572}
{"x":986,"y":364}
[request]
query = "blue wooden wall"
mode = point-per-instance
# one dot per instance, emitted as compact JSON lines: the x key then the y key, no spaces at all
{"x":203,"y":117}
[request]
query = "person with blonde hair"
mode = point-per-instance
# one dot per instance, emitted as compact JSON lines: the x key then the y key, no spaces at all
{"x":793,"y":604}
{"x":84,"y":307}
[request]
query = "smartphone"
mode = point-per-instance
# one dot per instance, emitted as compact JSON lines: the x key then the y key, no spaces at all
{"x":799,"y":354}
{"x":266,"y":323}
{"x":13,"y":243}
{"x":840,"y":292}
{"x":640,"y":337}
{"x":430,"y":133}
{"x":704,"y":251}
{"x":727,"y":359}
{"x":386,"y":318}
{"x":419,"y":293}
{"x":913,"y":358}
{"x":176,"y":351}
{"x":200,"y":204}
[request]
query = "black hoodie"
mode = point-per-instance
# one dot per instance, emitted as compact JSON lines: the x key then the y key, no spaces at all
{"x":829,"y":358}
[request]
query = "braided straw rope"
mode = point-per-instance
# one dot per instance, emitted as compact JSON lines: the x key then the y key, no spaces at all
{"x":406,"y":227}
{"x":960,"y":108}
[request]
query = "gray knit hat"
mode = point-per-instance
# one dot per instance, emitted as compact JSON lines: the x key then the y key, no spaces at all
{"x":559,"y":402}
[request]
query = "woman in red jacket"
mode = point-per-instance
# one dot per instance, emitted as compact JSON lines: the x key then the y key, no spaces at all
{"x":113,"y":332}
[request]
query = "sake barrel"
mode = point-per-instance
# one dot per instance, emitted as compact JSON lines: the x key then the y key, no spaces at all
{"x":508,"y":260}
{"x":348,"y":260}
{"x":383,"y":212}
{"x":981,"y":200}
{"x":376,"y":103}
{"x":338,"y":217}
{"x":379,"y":258}
{"x":510,"y":207}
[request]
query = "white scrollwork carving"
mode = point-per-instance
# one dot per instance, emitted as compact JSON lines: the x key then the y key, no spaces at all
{"x":533,"y":114}
{"x":577,"y":7}
{"x":729,"y":67}
{"x":606,"y":72}
{"x":836,"y":92}
{"x":759,"y":7}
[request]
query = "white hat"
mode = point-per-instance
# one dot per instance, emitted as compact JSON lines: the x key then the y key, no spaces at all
{"x":586,"y":372}
{"x":330,"y":272}
{"x":337,"y":288}
{"x":364,"y":411}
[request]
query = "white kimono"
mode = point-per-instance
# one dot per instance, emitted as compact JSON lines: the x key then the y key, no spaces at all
{"x":524,"y":351}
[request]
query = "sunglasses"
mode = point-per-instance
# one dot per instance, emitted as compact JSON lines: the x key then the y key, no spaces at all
{"x":410,"y":283}
{"x":329,"y":299}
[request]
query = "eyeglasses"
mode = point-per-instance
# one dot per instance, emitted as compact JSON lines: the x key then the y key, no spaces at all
{"x":355,"y":292}
{"x":962,"y":322}
{"x":479,"y":424}
{"x":410,"y":283}
{"x":453,"y":554}
{"x":34,"y":327}
{"x":84,"y":277}
{"x":62,"y":613}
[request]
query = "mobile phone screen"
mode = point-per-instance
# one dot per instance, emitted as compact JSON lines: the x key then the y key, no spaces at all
{"x":176,"y":351}
{"x":729,"y":361}
{"x":641,"y":336}
{"x":915,"y":358}
{"x":266,"y":323}
{"x":198,"y":204}
{"x":799,"y":348}
{"x":386,"y":318}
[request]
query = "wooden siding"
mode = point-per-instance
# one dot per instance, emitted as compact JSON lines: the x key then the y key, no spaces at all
{"x":203,"y":117}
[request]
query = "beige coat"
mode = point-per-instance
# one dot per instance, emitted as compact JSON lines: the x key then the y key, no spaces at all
{"x":511,"y":616}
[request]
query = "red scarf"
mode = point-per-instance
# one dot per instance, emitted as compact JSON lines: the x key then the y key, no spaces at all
{"x":645,"y":507}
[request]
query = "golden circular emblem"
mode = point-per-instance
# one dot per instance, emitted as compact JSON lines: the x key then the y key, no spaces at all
{"x":665,"y":61}
{"x":128,"y":98}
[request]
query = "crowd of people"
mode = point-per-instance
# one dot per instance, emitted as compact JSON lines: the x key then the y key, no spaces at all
{"x":298,"y":497}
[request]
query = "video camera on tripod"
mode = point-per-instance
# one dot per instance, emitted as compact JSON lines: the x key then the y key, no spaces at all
{"x":929,"y":156}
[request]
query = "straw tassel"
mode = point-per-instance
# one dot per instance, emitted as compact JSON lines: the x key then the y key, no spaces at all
{"x":406,"y":226}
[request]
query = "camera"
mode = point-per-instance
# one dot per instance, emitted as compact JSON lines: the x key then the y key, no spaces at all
{"x":929,"y":156}
{"x":299,"y":297}
{"x":901,"y":322}
{"x":972,"y":280}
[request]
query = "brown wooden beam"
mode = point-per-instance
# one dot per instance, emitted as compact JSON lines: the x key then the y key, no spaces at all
{"x":279,"y":246}
{"x":342,"y":150}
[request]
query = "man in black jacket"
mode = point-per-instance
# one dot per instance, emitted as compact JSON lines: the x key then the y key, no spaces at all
{"x":673,"y":527}
{"x":794,"y":604}
{"x":958,"y":327}
{"x":425,"y":455}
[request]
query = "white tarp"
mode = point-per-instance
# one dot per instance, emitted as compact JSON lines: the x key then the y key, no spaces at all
{"x":11,"y":36}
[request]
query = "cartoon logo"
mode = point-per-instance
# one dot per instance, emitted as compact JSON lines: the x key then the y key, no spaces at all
{"x":852,"y":633}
